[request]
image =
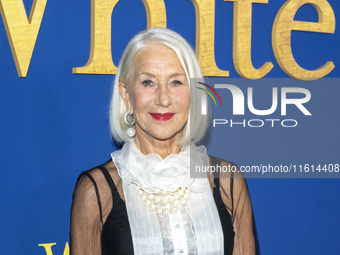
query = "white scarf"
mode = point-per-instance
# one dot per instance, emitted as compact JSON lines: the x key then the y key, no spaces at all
{"x":196,"y":228}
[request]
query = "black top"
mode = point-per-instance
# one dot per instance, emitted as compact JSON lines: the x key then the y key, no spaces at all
{"x":116,"y":235}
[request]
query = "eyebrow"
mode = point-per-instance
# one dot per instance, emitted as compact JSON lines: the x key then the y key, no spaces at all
{"x":171,"y":76}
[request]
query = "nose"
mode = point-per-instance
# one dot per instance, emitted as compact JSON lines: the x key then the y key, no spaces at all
{"x":163,"y":97}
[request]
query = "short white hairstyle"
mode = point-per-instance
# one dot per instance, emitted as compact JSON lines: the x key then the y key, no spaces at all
{"x":197,"y":124}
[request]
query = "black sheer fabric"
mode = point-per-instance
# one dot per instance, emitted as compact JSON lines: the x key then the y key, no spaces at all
{"x":116,"y":235}
{"x":226,"y":219}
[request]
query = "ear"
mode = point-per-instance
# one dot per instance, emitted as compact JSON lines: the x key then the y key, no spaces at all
{"x":125,"y":96}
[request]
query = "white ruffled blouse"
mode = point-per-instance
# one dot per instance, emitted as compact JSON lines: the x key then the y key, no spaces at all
{"x":195,"y":228}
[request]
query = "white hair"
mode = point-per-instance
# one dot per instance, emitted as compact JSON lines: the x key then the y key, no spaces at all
{"x":197,"y":123}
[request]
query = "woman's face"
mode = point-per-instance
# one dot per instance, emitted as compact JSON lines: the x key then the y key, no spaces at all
{"x":158,"y":93}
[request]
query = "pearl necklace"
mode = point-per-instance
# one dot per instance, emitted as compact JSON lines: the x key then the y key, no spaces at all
{"x":164,"y":202}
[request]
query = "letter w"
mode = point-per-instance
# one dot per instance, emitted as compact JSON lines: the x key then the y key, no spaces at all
{"x":22,"y":33}
{"x":48,"y":248}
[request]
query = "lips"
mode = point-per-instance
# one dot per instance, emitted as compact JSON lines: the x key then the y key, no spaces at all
{"x":162,"y":116}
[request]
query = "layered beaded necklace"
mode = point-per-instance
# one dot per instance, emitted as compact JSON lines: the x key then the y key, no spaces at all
{"x":164,"y":202}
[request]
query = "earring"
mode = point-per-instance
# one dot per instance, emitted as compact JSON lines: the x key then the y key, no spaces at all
{"x":130,"y":131}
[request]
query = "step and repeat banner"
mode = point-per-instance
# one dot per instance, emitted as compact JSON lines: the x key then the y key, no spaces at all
{"x":273,"y":64}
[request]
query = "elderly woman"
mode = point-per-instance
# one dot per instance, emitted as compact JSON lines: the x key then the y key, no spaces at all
{"x":146,"y":200}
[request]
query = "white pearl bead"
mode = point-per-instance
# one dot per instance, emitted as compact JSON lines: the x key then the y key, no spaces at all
{"x":171,"y":200}
{"x":156,"y":200}
{"x":164,"y":193}
{"x":164,"y":201}
{"x":151,"y":200}
{"x":131,"y":132}
{"x":174,"y":210}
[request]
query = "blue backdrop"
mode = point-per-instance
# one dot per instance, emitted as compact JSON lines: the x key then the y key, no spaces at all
{"x":54,"y":124}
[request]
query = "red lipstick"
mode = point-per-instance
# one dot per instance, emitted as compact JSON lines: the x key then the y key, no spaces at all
{"x":162,"y":116}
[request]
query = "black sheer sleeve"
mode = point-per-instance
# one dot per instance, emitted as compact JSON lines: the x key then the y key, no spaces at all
{"x":236,"y":198}
{"x":90,"y":206}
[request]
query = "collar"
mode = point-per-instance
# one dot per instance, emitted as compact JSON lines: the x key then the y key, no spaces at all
{"x":152,"y":173}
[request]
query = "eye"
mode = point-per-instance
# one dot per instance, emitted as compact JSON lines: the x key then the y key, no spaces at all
{"x":176,"y":82}
{"x":147,"y":83}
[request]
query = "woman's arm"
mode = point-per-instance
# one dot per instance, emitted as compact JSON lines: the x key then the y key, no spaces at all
{"x":86,"y":225}
{"x":240,"y":209}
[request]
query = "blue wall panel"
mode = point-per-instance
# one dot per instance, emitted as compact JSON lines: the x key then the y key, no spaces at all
{"x":54,"y":124}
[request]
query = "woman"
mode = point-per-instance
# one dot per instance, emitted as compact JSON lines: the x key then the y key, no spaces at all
{"x":144,"y":200}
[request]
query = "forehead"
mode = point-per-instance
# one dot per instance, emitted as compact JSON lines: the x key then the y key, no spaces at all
{"x":158,"y":57}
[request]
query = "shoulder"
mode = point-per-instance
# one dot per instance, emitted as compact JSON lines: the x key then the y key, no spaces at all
{"x":233,"y":172}
{"x":232,"y":182}
{"x":90,"y":206}
{"x":225,"y":169}
{"x":94,"y":177}
{"x":93,"y":191}
{"x":236,"y":198}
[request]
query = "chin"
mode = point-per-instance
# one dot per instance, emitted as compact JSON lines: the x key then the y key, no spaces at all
{"x":167,"y":135}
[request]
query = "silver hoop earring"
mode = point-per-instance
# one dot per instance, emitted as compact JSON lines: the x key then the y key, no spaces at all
{"x":131,"y":131}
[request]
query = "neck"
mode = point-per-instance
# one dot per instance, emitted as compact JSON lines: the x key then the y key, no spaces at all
{"x":149,"y":145}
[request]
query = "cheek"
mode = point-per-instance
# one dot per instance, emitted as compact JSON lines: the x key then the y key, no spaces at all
{"x":183,"y":98}
{"x":141,"y":100}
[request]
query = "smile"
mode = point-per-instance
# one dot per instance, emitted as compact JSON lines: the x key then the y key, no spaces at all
{"x":162,"y":116}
